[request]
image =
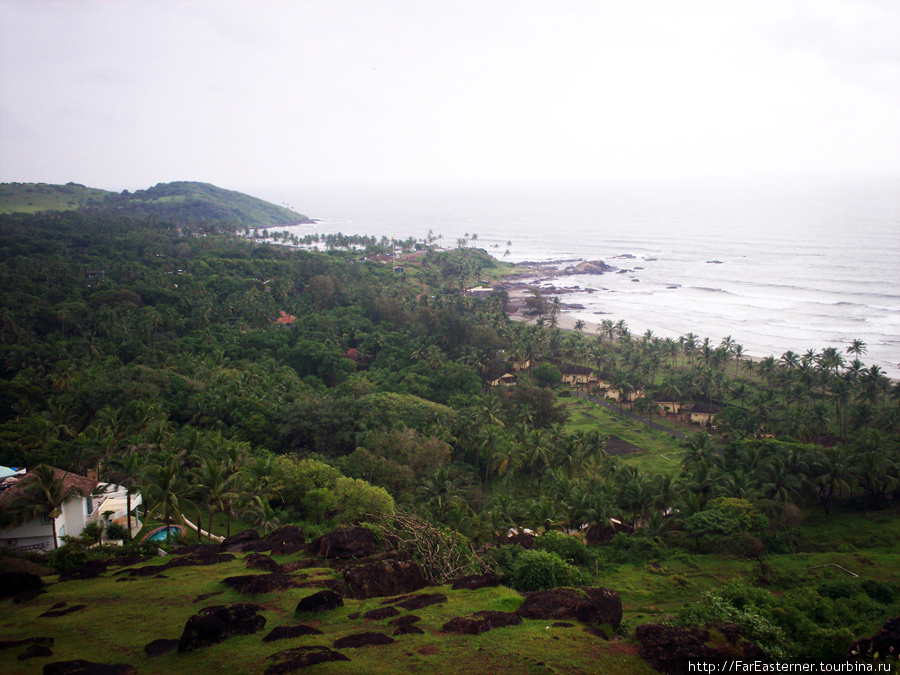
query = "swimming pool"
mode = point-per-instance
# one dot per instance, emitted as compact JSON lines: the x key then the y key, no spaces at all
{"x":159,"y":534}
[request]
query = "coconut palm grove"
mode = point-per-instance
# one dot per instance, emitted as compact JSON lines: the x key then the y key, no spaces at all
{"x":344,"y":418}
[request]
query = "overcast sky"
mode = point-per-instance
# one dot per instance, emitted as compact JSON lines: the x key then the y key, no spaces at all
{"x":127,"y":93}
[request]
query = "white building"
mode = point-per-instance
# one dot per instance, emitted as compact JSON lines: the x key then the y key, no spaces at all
{"x":76,"y":512}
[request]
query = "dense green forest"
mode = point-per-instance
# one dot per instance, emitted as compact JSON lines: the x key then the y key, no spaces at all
{"x":149,"y":352}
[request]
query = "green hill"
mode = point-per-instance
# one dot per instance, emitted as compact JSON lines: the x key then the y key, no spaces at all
{"x":179,"y":202}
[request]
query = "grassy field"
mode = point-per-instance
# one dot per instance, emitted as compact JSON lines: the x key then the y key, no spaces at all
{"x":123,"y":616}
{"x":659,"y":451}
{"x":120,"y":617}
{"x":34,"y":197}
{"x":195,"y":201}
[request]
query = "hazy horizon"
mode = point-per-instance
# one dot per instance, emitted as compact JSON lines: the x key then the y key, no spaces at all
{"x":123,"y":95}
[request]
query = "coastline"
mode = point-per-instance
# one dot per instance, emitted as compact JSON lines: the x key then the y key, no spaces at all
{"x":519,"y":287}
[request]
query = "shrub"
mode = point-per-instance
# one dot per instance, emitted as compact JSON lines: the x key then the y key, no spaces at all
{"x":91,"y":533}
{"x":714,"y":608}
{"x":879,"y":591}
{"x":539,"y":570}
{"x":117,"y":531}
{"x":546,"y":375}
{"x":71,"y":554}
{"x":570,"y":549}
{"x":504,"y":557}
{"x":636,"y":550}
{"x":74,"y":553}
{"x":356,"y":499}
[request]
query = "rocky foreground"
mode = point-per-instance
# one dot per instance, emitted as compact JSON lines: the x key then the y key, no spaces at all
{"x":340,"y":598}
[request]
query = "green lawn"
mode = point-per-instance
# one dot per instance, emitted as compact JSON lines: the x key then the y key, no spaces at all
{"x":122,"y":617}
{"x":660,"y":451}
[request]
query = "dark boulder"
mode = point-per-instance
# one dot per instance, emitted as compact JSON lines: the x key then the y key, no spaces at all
{"x":240,"y":538}
{"x":405,"y":620}
{"x":349,"y":542}
{"x":11,"y":644}
{"x":286,"y":539}
{"x":248,"y":540}
{"x":588,"y":267}
{"x":181,"y":561}
{"x":422,"y":601}
{"x":51,"y":613}
{"x":14,"y":584}
{"x":474,"y":582}
{"x":300,"y":657}
{"x":408,"y":629}
{"x":89,"y":570}
{"x":260,"y":561}
{"x":198,"y":549}
{"x":382,"y":578}
{"x":254,"y":584}
{"x":674,"y":650}
{"x":286,"y":533}
{"x":886,"y":641}
{"x":207,"y":596}
{"x":82,"y":667}
{"x":381,"y":613}
{"x":35,"y":652}
{"x":481,"y":622}
{"x":285,"y":632}
{"x":592,"y":606}
{"x":363,"y":640}
{"x":302,"y":564}
{"x":335,"y":585}
{"x":160,"y":647}
{"x":208,"y":557}
{"x":320,"y":602}
{"x":217,"y":623}
{"x":126,"y":560}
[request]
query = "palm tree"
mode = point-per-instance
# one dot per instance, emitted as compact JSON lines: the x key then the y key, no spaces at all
{"x":165,"y":488}
{"x":214,"y":484}
{"x":704,"y":480}
{"x":607,"y":329}
{"x":688,"y":345}
{"x":439,"y":490}
{"x":857,"y":348}
{"x":506,"y":459}
{"x":43,"y":494}
{"x":545,"y":514}
{"x":779,"y":484}
{"x":834,"y":474}
{"x":698,"y":451}
{"x":738,"y":352}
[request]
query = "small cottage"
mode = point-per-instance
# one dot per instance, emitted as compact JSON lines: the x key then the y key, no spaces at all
{"x":704,"y":414}
{"x":507,"y":380}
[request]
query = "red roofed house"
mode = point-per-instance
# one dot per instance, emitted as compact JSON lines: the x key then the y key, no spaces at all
{"x":285,"y":318}
{"x":75,"y":513}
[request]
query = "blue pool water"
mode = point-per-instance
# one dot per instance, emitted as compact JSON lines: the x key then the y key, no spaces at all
{"x":159,"y":534}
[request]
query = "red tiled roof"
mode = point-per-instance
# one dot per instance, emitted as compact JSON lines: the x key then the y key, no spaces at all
{"x":86,"y":485}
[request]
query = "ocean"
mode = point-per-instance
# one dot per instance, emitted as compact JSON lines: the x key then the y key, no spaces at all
{"x":776,"y":266}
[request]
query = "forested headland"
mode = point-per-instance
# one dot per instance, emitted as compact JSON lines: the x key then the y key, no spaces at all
{"x":249,"y":384}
